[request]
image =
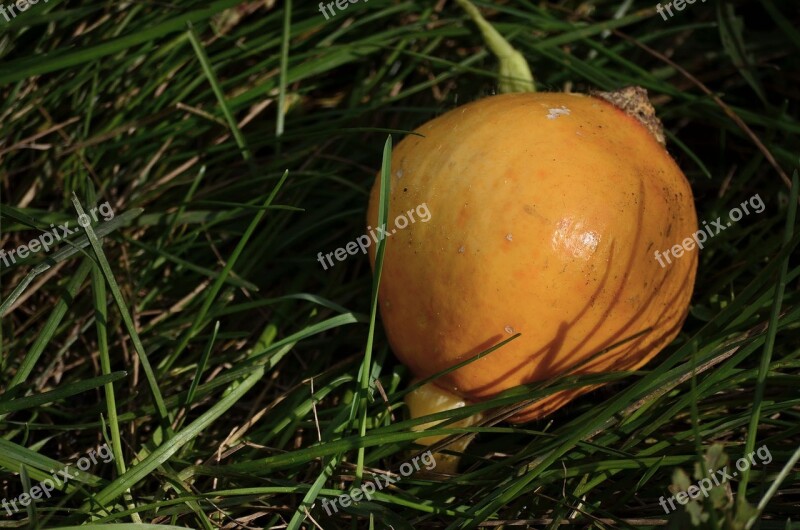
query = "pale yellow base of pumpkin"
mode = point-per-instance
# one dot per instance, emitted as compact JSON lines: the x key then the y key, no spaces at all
{"x":430,"y":399}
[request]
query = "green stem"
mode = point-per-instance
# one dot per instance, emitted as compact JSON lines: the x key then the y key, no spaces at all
{"x":515,"y":74}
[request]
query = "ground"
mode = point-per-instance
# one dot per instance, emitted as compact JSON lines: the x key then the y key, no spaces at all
{"x":185,"y":360}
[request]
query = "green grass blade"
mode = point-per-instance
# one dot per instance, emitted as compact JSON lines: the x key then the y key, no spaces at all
{"x":126,"y":315}
{"x":772,"y":331}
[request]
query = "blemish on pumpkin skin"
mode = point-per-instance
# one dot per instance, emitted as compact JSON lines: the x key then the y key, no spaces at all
{"x":556,"y":112}
{"x":463,"y":216}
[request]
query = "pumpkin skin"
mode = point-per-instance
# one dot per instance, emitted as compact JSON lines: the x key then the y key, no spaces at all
{"x":546,"y":210}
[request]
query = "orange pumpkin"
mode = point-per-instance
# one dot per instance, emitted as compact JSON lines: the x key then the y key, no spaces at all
{"x":546,"y":212}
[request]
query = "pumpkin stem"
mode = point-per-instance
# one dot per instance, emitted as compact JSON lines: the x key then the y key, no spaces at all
{"x":515,"y":74}
{"x":430,"y":399}
{"x":634,"y":102}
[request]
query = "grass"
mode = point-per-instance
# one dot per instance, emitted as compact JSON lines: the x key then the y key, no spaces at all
{"x":239,"y":384}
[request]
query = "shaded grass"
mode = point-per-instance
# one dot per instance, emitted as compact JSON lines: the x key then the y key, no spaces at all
{"x":270,"y":386}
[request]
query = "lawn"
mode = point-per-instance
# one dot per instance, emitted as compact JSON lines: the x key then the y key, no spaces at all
{"x":174,"y":353}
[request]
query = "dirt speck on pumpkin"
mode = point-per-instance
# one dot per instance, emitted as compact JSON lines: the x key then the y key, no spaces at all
{"x":555,"y":113}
